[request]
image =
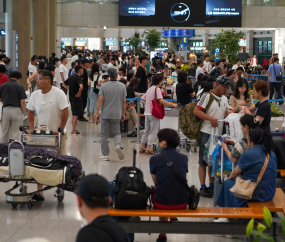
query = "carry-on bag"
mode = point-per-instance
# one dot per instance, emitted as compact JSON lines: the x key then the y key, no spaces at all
{"x":131,"y":192}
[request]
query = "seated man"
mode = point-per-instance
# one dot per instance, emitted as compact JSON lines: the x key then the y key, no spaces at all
{"x":93,"y":201}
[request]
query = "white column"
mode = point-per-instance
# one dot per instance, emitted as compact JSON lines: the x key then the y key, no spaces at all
{"x":8,"y":28}
{"x":249,"y":42}
{"x":206,"y":38}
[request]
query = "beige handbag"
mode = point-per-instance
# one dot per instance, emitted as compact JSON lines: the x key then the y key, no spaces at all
{"x":245,"y":188}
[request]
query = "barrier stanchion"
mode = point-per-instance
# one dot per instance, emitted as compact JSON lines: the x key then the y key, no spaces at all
{"x":138,"y":124}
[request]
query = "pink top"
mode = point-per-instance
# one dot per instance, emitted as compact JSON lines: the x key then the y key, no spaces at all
{"x":149,"y":96}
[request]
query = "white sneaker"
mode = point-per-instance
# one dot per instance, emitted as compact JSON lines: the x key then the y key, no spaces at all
{"x":221,"y":220}
{"x":105,"y":158}
{"x":120,"y":152}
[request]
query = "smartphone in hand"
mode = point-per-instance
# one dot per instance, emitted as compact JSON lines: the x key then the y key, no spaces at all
{"x":221,"y":139}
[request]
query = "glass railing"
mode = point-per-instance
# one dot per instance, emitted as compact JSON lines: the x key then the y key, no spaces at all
{"x":263,"y":2}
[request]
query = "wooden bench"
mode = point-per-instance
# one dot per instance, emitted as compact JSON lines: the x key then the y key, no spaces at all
{"x":254,"y":210}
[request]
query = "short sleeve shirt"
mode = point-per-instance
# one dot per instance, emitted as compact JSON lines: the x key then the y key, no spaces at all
{"x":141,"y":74}
{"x":149,"y":96}
{"x":264,"y":110}
{"x":217,"y":109}
{"x":32,"y":69}
{"x":74,"y":84}
{"x":12,"y":93}
{"x":168,"y":190}
{"x":273,"y":73}
{"x":63,"y":69}
{"x":183,"y":92}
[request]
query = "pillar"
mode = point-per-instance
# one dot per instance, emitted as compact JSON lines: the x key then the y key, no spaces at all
{"x":206,"y":38}
{"x":52,"y":26}
{"x":2,"y":46}
{"x":17,"y":19}
{"x":249,"y":43}
{"x":40,"y":29}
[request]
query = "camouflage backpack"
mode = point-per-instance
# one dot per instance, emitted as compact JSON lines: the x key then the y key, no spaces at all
{"x":190,"y":124}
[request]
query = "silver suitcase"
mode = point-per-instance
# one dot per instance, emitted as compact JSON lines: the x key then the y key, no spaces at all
{"x":16,"y":160}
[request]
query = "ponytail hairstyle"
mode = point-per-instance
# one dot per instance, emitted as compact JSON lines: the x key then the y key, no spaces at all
{"x":258,"y":136}
{"x":250,"y":121}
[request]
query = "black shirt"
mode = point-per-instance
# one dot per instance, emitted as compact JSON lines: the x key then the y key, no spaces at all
{"x":130,"y":92}
{"x":85,"y":79}
{"x":183,"y":91}
{"x":141,"y":74}
{"x":264,"y":110}
{"x":93,"y":233}
{"x":73,"y":83}
{"x":12,"y":93}
{"x":192,"y":72}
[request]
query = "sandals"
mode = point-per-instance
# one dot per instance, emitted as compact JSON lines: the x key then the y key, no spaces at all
{"x":150,"y":152}
{"x":142,"y":151}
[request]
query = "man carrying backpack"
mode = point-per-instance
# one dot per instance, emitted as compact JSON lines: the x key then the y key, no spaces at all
{"x":93,"y":201}
{"x":212,"y":107}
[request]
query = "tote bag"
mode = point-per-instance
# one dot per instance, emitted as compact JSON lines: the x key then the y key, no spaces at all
{"x":157,"y":108}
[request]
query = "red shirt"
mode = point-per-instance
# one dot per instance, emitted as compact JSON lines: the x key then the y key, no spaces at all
{"x":3,"y":78}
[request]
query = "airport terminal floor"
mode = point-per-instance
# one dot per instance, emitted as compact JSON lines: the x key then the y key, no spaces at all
{"x":60,"y":222}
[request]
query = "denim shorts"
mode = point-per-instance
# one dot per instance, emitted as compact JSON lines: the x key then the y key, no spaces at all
{"x":204,"y":137}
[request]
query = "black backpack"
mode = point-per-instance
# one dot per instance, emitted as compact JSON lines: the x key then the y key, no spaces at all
{"x":131,"y":192}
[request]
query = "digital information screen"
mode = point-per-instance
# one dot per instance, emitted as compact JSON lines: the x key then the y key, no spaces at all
{"x":189,"y":13}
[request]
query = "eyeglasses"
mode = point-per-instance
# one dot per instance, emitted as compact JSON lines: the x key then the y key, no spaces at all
{"x":42,"y":78}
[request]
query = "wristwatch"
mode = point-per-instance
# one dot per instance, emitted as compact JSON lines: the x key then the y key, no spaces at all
{"x":60,"y":130}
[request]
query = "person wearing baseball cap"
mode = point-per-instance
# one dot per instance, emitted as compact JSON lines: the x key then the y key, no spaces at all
{"x":93,"y":201}
{"x":213,"y":106}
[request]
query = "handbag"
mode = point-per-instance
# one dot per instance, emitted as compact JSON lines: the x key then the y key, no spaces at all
{"x":278,"y":78}
{"x":157,"y":108}
{"x":244,"y":188}
{"x":95,"y":89}
{"x":193,"y":194}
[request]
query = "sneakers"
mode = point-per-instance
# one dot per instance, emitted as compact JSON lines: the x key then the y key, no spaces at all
{"x":105,"y":158}
{"x":161,"y":238}
{"x":221,"y":220}
{"x":204,"y":192}
{"x":83,"y":120}
{"x":211,"y":190}
{"x":133,"y":134}
{"x":120,"y":153}
{"x":77,"y":133}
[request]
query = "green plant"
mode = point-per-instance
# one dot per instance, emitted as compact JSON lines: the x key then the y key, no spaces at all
{"x":185,"y":67}
{"x":275,"y":109}
{"x":152,"y":37}
{"x":259,"y":233}
{"x":135,"y":40}
{"x":228,"y":41}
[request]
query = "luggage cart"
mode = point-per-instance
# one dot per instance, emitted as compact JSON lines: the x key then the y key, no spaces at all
{"x":17,"y":167}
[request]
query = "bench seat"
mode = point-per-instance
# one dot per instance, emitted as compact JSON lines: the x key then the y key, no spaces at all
{"x":200,"y":212}
{"x":276,"y":205}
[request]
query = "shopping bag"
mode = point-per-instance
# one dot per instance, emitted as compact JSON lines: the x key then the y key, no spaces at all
{"x":234,"y":125}
{"x":216,"y":158}
{"x":210,"y":146}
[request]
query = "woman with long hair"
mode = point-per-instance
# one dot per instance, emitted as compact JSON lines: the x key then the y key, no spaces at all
{"x":94,"y":81}
{"x":241,"y":96}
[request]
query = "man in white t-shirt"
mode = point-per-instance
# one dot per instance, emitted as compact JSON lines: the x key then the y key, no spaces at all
{"x":75,"y":57}
{"x":63,"y":74}
{"x":207,"y":64}
{"x":51,"y":107}
{"x":33,"y":65}
{"x":212,"y":107}
{"x":111,"y":63}
{"x":238,"y":64}
{"x":200,"y":69}
{"x":57,"y":77}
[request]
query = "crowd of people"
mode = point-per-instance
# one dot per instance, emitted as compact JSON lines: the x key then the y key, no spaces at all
{"x":97,"y":88}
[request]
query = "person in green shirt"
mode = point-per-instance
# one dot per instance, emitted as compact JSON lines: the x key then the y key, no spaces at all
{"x":147,"y":65}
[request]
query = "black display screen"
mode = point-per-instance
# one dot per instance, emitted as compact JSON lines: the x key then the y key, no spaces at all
{"x":190,"y":13}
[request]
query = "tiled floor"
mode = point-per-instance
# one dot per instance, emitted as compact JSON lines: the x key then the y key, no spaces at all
{"x":60,"y":222}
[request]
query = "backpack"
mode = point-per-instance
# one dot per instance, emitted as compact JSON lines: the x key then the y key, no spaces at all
{"x":130,"y":191}
{"x":190,"y":124}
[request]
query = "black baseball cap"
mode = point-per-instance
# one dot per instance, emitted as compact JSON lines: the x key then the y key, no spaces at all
{"x":93,"y":186}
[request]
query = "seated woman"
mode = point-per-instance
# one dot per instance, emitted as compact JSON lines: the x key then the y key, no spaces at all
{"x":248,"y":122}
{"x":250,"y":165}
{"x":169,"y":193}
{"x":184,"y":91}
{"x":261,"y":110}
{"x":241,"y":96}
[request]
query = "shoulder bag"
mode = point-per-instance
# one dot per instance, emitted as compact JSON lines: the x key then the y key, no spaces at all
{"x":244,"y":188}
{"x":193,"y":194}
{"x":157,"y":108}
{"x":279,"y":77}
{"x":95,"y":89}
